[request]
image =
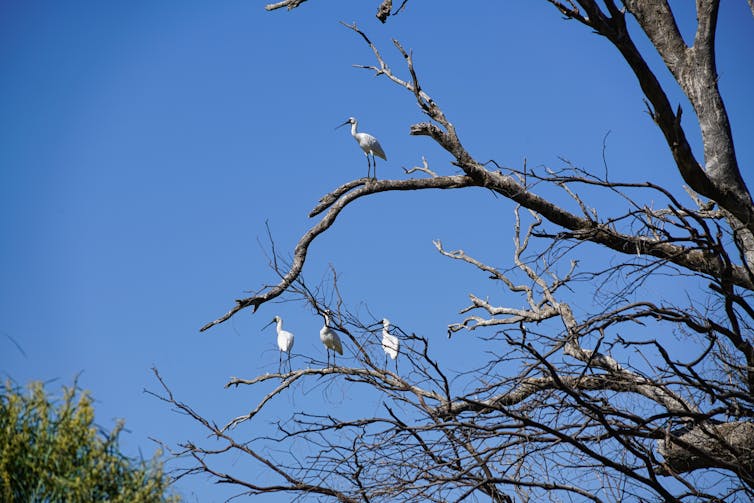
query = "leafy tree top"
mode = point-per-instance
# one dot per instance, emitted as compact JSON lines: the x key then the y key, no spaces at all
{"x":51,"y":450}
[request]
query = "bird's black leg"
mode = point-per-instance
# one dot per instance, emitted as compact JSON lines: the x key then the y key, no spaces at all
{"x":280,"y":362}
{"x":375,"y":166}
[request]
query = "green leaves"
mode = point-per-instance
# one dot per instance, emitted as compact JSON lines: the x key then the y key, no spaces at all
{"x":50,"y":450}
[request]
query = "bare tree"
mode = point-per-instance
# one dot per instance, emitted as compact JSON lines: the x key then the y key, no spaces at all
{"x":568,"y":407}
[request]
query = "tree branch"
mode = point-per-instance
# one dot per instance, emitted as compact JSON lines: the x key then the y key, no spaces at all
{"x":288,"y":4}
{"x":336,"y":205}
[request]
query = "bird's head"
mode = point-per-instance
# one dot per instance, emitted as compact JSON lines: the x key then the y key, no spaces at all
{"x":350,"y":120}
{"x":274,"y":320}
{"x":385,"y":322}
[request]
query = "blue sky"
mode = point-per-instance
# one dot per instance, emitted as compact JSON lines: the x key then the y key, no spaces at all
{"x":143,"y":146}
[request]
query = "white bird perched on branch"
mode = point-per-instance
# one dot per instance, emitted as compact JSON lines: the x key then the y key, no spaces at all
{"x":285,"y":341}
{"x":390,"y":343}
{"x":330,"y":339}
{"x":368,"y":144}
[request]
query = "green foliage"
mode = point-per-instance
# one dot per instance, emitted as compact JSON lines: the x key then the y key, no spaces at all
{"x":50,"y":450}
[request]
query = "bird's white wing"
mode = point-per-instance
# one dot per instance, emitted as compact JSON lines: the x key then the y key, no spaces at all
{"x":390,"y":344}
{"x":336,"y":345}
{"x":369,"y":143}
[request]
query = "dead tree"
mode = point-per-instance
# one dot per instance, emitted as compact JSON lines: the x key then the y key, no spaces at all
{"x":571,"y":404}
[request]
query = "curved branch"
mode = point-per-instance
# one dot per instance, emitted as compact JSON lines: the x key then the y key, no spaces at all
{"x":299,"y":253}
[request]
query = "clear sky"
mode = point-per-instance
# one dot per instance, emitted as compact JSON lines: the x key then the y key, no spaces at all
{"x":144,"y":144}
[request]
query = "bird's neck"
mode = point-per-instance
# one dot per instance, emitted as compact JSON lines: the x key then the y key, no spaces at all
{"x":353,"y":129}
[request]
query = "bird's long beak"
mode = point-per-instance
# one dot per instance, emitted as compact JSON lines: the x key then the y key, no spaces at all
{"x":346,"y":122}
{"x":267,"y":325}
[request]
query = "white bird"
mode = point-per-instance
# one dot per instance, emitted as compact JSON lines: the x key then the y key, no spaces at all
{"x":368,"y":144}
{"x":330,"y":339}
{"x":390,"y":343}
{"x":285,"y":341}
